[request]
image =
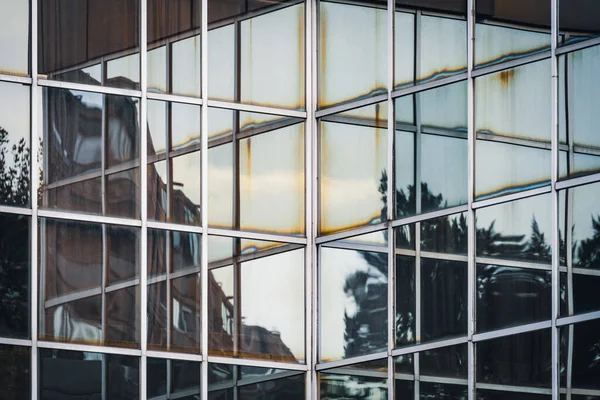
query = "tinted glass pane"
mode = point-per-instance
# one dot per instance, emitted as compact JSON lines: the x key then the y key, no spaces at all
{"x":362,"y":381}
{"x":584,"y":369}
{"x":405,"y":300}
{"x":184,"y":379}
{"x":185,"y":330}
{"x":512,"y":296}
{"x":15,"y":153}
{"x":122,"y":317}
{"x":353,"y":314}
{"x":221,"y":64}
{"x":578,"y":82}
{"x":445,"y":235}
{"x":519,"y":230}
{"x":449,"y":361}
{"x":352,"y":56}
{"x":443,"y":391}
{"x":14,"y":275}
{"x":15,"y":364}
{"x":14,"y":37}
{"x":520,"y":360}
{"x":123,"y":194}
{"x":528,"y":30}
{"x":123,"y":250}
{"x":75,"y":375}
{"x":353,"y":164}
{"x":77,"y":37}
{"x":157,"y":191}
{"x":576,"y":20}
{"x":500,"y":395}
{"x":157,"y":315}
{"x":278,"y":389}
{"x":220,"y":186}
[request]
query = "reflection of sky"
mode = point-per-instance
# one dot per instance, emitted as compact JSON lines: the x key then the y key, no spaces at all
{"x":14,"y":37}
{"x":494,"y":42}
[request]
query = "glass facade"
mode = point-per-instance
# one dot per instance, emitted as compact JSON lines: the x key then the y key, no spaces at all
{"x":299,"y":199}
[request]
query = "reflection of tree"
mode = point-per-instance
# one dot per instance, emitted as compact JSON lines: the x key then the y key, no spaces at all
{"x":365,"y":327}
{"x":588,"y":253}
{"x":14,"y":176}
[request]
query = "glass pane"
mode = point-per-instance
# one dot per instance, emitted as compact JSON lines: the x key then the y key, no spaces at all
{"x":443,"y":391}
{"x":157,"y":191}
{"x":77,"y":35}
{"x":445,"y":234}
{"x":73,"y":147}
{"x":15,"y":152}
{"x":583,"y":366}
{"x":500,"y":395}
{"x":15,"y":362}
{"x":181,"y":377}
{"x":185,"y":252}
{"x":68,"y":374}
{"x":221,"y":302}
{"x":578,"y":120}
{"x":353,"y":294}
{"x":576,"y":20}
{"x":406,"y":332}
{"x":443,"y":48}
{"x":185,"y":123}
{"x":271,"y":168}
{"x":15,"y":267}
{"x":512,"y":296}
{"x":220,"y":186}
{"x":186,"y":189}
{"x":292,"y":388}
{"x":221,"y":64}
{"x":518,"y":360}
{"x":157,"y":316}
{"x":123,"y":249}
{"x":528,"y":30}
{"x":451,"y":362}
{"x":518,"y":230}
{"x":358,"y":381}
{"x":186,"y":311}
{"x":352,"y":57}
{"x":14,"y":37}
{"x":157,"y":126}
{"x":353,"y":168}
{"x":122,"y":317}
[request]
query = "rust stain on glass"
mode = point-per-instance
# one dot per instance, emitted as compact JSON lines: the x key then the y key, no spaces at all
{"x":506,"y":77}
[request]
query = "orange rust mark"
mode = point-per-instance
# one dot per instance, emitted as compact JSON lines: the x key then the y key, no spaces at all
{"x":506,"y":77}
{"x":326,"y":230}
{"x":322,"y":54}
{"x":377,"y":129}
{"x":301,"y":58}
{"x":249,"y":163}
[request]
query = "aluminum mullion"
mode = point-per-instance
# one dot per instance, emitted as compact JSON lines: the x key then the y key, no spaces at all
{"x":349,"y":361}
{"x":429,"y":346}
{"x":516,"y":141}
{"x":25,"y":80}
{"x":97,"y":219}
{"x":569,"y":259}
{"x":174,"y":227}
{"x":247,"y":362}
{"x":512,"y":197}
{"x":555,"y":208}
{"x":15,"y":342}
{"x":490,"y":69}
{"x":175,"y":98}
{"x":90,"y":88}
{"x":578,"y":181}
{"x":169,"y":265}
{"x":429,"y":85}
{"x":350,"y":105}
{"x":270,"y":237}
{"x":391,"y":201}
{"x":143,"y":123}
{"x":584,"y":44}
{"x":15,"y":210}
{"x":515,"y":330}
{"x":88,"y":348}
{"x":578,"y":318}
{"x":174,"y":356}
{"x":257,"y":109}
{"x":418,"y":208}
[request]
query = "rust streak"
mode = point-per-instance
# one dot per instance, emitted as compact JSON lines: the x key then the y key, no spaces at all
{"x":322,"y":55}
{"x":249,"y":163}
{"x":506,"y":77}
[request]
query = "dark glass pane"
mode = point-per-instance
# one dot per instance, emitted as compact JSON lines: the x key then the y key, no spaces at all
{"x":75,"y":375}
{"x":519,"y":230}
{"x":584,"y":210}
{"x":75,"y":37}
{"x":226,"y":394}
{"x":156,"y":383}
{"x":278,"y":389}
{"x":442,"y":391}
{"x":445,"y":234}
{"x":185,"y":378}
{"x":123,"y":253}
{"x":449,"y":361}
{"x":512,"y":296}
{"x":405,"y":300}
{"x":157,"y":315}
{"x":157,"y":252}
{"x":185,"y":251}
{"x":404,"y":390}
{"x":169,"y":21}
{"x":510,"y":29}
{"x":353,"y":314}
{"x":585,"y":371}
{"x":15,"y":266}
{"x":122,"y":317}
{"x":499,"y":395}
{"x":74,"y":321}
{"x":443,"y":298}
{"x":15,"y":153}
{"x":353,"y":151}
{"x":521,"y":360}
{"x":123,"y":135}
{"x":15,"y":370}
{"x":339,"y":387}
{"x":14,"y":37}
{"x":81,"y":196}
{"x":185,"y":327}
{"x":577,"y":20}
{"x":123,"y":194}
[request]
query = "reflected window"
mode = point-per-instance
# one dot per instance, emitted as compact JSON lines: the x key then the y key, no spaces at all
{"x":94,"y":42}
{"x":173,"y":378}
{"x":14,"y":38}
{"x":364,"y":381}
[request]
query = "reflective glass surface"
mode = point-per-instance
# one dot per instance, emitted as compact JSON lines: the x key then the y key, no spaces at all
{"x":579,"y":347}
{"x":362,"y":381}
{"x":510,"y":29}
{"x":244,"y":278}
{"x":513,"y":125}
{"x":93,"y":42}
{"x":259,"y":59}
{"x":578,"y":122}
{"x":174,"y":46}
{"x":88,"y":138}
{"x":65,"y":374}
{"x":78,"y":303}
{"x":15,"y":266}
{"x":519,"y":360}
{"x":15,"y":369}
{"x":352,"y":51}
{"x":519,"y":230}
{"x":353,"y":168}
{"x":14,"y":37}
{"x":576,"y":20}
{"x":173,"y":378}
{"x":353,"y":293}
{"x":15,"y":151}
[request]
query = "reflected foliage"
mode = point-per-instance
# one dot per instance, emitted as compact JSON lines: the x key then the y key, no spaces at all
{"x":588,"y":252}
{"x":14,"y":171}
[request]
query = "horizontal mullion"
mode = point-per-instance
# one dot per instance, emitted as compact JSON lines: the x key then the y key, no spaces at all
{"x":174,"y":98}
{"x":580,"y":180}
{"x":15,"y":210}
{"x":573,"y":319}
{"x":89,"y":88}
{"x":512,"y":263}
{"x":266,"y":127}
{"x":350,"y":361}
{"x":122,"y":285}
{"x":15,"y":342}
{"x":357,"y":372}
{"x":351,"y":232}
{"x":350,"y":105}
{"x":444,"y":256}
{"x":421,"y":87}
{"x":254,"y":255}
{"x":515,"y":330}
{"x":517,"y":62}
{"x":512,"y":388}
{"x":94,"y":174}
{"x":492,"y":137}
{"x":71,"y":297}
{"x":453,"y":133}
{"x":246,"y":362}
{"x":417,"y":348}
{"x":174,"y":227}
{"x":97,"y":219}
{"x":444,"y":212}
{"x":25,"y":80}
{"x":443,"y":379}
{"x":357,"y":246}
{"x":174,"y":356}
{"x":512,"y":197}
{"x":357,"y":121}
{"x":584,"y":44}
{"x":268,"y":378}
{"x":42,"y":344}
{"x":257,"y":236}
{"x":122,"y":167}
{"x":256,"y":109}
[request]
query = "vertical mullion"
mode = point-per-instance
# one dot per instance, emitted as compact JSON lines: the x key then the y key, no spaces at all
{"x":471,"y":228}
{"x":35,"y":100}
{"x":143,"y":290}
{"x":204,"y":197}
{"x":555,"y":207}
{"x":391,"y":130}
{"x":309,"y":204}
{"x":418,"y":207}
{"x":169,"y":259}
{"x":168,"y":165}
